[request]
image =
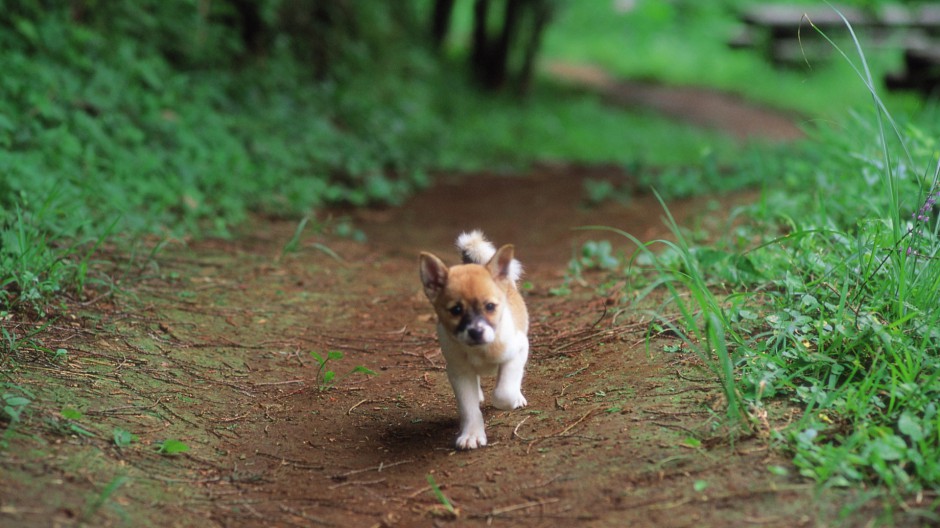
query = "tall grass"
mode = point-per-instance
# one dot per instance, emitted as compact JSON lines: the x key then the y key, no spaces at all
{"x":694,"y":312}
{"x":828,"y":299}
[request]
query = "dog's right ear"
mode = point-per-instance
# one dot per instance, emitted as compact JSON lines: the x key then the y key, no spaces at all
{"x":433,"y":275}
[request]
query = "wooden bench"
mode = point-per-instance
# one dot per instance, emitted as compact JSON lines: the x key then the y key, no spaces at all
{"x":786,"y":35}
{"x":921,"y":71}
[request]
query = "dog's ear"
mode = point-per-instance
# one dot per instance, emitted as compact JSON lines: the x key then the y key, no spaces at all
{"x":433,"y":275}
{"x":500,"y":266}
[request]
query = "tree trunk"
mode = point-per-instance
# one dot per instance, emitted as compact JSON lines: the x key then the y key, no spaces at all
{"x":542,"y":15}
{"x":492,"y":57}
{"x":479,"y":55}
{"x":440,"y":22}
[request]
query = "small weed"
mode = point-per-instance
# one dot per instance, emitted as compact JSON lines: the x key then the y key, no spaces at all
{"x":67,"y":423}
{"x":97,"y":501}
{"x":13,"y":402}
{"x":442,"y":499}
{"x":325,"y":377}
{"x":598,"y":192}
{"x":593,"y":256}
{"x":293,"y":244}
{"x":171,"y":447}
{"x":597,"y":255}
{"x":13,"y":406}
{"x":122,"y":438}
{"x":11,"y":342}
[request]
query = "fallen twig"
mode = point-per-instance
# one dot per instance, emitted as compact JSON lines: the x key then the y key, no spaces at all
{"x":377,"y":468}
{"x":357,"y":483}
{"x":563,"y":432}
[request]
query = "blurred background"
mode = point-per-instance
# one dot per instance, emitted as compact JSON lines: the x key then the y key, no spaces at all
{"x":182,"y":117}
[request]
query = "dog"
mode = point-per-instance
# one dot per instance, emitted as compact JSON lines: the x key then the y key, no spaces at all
{"x":482,"y":327}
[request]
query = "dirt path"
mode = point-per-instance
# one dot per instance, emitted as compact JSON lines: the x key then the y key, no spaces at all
{"x":218,"y":356}
{"x":705,"y":108}
{"x":613,"y":435}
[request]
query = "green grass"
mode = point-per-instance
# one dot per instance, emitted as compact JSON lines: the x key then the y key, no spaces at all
{"x":558,"y":124}
{"x":686,"y":43}
{"x":823,"y":295}
{"x":104,"y":138}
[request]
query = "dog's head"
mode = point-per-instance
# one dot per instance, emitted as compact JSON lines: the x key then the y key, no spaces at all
{"x":469,"y":298}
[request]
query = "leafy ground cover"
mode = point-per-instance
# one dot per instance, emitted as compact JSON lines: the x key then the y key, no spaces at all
{"x":828,"y":298}
{"x":110,"y":132}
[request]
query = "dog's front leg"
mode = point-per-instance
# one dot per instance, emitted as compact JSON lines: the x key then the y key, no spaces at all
{"x":508,"y":392}
{"x":466,"y":386}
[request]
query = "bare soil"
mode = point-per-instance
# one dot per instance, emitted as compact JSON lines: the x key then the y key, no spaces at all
{"x":214,"y":350}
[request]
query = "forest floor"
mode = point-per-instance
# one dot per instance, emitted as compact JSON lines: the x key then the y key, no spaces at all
{"x":211,"y":347}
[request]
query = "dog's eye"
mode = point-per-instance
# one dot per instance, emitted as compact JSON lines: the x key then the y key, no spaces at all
{"x":490,"y":307}
{"x":456,"y":310}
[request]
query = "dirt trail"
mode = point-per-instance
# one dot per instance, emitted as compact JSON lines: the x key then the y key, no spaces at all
{"x":615,"y":434}
{"x":706,"y":108}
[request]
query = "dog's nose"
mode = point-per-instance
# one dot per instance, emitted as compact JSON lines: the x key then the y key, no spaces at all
{"x":475,"y":333}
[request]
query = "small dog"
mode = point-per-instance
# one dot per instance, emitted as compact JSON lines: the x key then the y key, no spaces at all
{"x":482,"y":326}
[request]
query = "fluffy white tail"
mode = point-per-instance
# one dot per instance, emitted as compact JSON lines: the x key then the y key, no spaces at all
{"x":476,"y":249}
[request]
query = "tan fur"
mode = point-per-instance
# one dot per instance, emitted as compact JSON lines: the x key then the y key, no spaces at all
{"x":473,"y":284}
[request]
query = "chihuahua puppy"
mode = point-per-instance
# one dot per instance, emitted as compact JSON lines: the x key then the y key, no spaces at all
{"x":482,"y":326}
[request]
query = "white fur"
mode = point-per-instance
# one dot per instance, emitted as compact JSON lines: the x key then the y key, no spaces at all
{"x":465,"y":365}
{"x":479,"y":250}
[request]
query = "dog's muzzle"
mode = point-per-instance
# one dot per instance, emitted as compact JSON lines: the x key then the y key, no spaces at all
{"x":479,"y":332}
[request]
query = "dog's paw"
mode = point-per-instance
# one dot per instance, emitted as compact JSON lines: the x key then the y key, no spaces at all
{"x":508,"y":402}
{"x":471,"y":439}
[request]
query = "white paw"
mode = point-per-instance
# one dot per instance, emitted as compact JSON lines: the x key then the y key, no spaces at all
{"x":508,"y":402}
{"x":471,"y":439}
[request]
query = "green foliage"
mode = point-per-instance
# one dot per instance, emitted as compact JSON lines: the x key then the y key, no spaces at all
{"x":66,"y":423}
{"x":134,"y":119}
{"x":13,"y":403}
{"x":824,"y":292}
{"x":702,"y":322}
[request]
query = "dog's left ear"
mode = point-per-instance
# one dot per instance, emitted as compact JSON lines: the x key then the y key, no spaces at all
{"x":500,"y":266}
{"x":433,"y":275}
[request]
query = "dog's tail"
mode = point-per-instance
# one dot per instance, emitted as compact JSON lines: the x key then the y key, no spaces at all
{"x":476,"y":249}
